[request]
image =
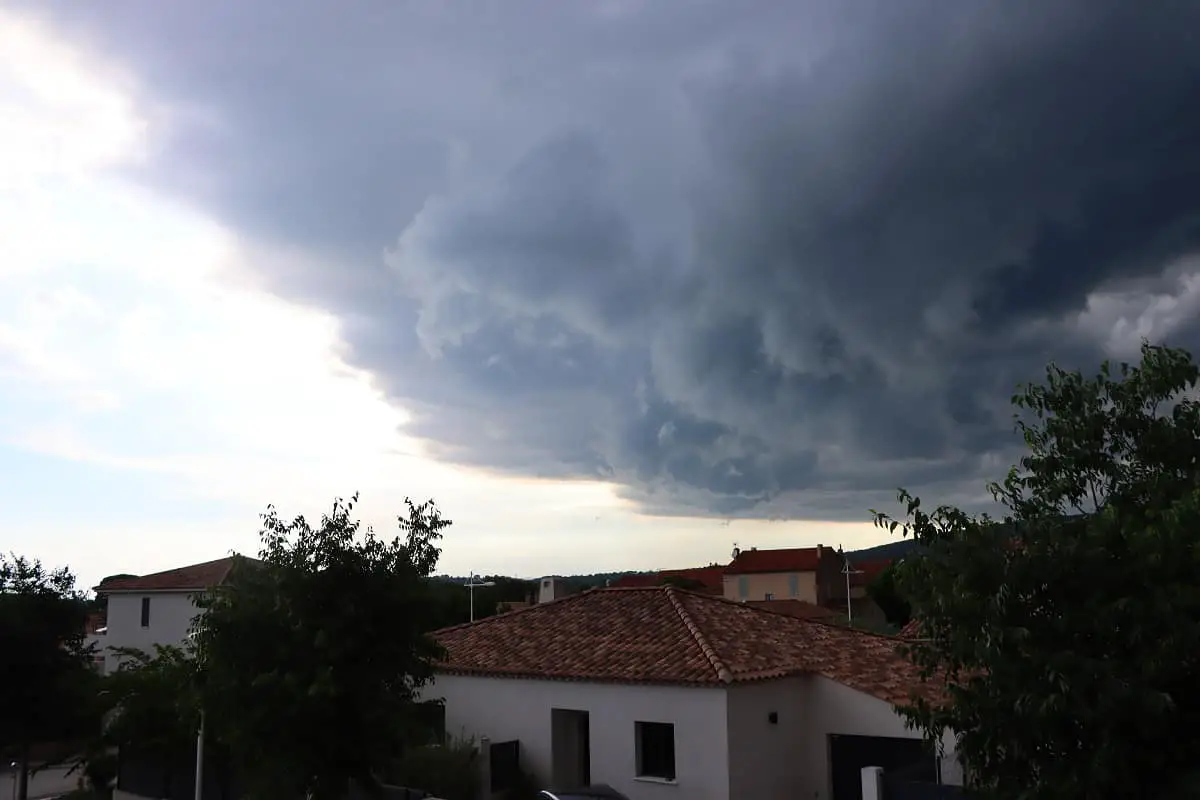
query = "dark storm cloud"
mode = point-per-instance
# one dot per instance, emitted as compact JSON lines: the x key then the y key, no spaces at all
{"x":772,"y":259}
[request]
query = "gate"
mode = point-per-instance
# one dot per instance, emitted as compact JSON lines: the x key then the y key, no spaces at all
{"x":505,"y":760}
{"x":913,"y":759}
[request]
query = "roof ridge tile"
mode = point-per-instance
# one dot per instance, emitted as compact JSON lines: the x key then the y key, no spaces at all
{"x":718,"y":665}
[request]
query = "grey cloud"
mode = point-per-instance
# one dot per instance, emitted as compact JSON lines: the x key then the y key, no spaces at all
{"x":769,"y":260}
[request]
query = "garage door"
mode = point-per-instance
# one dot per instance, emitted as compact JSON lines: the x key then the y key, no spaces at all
{"x":849,"y":754}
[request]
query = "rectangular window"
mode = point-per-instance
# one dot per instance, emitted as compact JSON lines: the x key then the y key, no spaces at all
{"x":655,"y":750}
{"x":743,"y":587}
{"x":769,"y":596}
{"x":794,"y":585}
{"x":145,"y":612}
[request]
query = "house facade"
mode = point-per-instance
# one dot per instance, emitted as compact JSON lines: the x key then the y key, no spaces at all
{"x":661,"y":692}
{"x":155,"y":609}
{"x":810,"y":574}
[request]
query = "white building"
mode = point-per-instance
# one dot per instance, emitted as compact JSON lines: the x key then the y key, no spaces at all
{"x":157,"y":608}
{"x":664,"y":693}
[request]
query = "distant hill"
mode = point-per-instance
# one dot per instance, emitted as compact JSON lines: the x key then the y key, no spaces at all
{"x":891,"y":550}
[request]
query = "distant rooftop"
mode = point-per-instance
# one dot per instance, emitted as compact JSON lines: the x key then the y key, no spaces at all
{"x":194,"y":577}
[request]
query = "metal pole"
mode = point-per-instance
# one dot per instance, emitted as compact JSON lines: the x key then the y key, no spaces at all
{"x":471,"y":592}
{"x":200,"y":758}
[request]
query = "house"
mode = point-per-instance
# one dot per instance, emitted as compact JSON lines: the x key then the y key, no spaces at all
{"x":94,"y":636}
{"x":157,"y":608}
{"x":709,"y":580}
{"x":811,"y":574}
{"x":661,"y":692}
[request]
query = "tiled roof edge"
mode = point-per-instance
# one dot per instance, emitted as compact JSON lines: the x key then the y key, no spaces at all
{"x":718,"y":665}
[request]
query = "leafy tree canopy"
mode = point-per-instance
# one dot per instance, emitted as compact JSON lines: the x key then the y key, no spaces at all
{"x":1070,"y":634}
{"x":887,"y":596}
{"x":47,"y":688}
{"x":311,"y":659}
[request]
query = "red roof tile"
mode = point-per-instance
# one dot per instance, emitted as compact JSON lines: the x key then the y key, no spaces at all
{"x":193,"y":577}
{"x":709,"y":577}
{"x":801,"y":609}
{"x":796,"y":559}
{"x":911,"y":630}
{"x":668,"y":635}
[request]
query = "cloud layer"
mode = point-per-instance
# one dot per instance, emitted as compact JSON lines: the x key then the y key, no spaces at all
{"x":768,"y":261}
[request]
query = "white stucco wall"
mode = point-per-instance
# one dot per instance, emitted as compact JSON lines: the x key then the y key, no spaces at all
{"x":506,"y":709}
{"x":764,"y":758}
{"x":171,"y":615}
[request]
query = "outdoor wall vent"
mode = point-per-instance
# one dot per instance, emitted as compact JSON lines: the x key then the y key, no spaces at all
{"x":773,"y":718}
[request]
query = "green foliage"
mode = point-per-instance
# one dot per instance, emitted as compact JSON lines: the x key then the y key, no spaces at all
{"x":1070,"y":634}
{"x":887,"y":596}
{"x":48,"y":688}
{"x":451,"y":601}
{"x":312,"y":658}
{"x":100,"y":770}
{"x":450,"y":771}
{"x":152,"y":701}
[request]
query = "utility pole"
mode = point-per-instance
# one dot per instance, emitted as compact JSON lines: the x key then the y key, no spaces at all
{"x":471,"y":583}
{"x":848,"y":571}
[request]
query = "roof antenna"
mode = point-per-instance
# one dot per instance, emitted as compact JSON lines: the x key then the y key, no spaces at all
{"x":736,"y":551}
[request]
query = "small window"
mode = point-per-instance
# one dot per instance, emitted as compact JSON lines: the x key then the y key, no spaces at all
{"x":655,"y":750}
{"x":546,"y":583}
{"x":743,"y":587}
{"x":768,"y":596}
{"x":145,"y":612}
{"x":794,"y":585}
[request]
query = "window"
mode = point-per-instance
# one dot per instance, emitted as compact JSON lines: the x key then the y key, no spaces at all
{"x":743,"y":587}
{"x":655,"y":750}
{"x":768,"y":596}
{"x":145,"y":612}
{"x":794,"y":585}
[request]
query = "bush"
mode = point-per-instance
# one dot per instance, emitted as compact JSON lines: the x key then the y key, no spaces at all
{"x":100,"y":771}
{"x":449,"y":771}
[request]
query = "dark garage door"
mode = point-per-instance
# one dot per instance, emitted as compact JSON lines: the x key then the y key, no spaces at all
{"x":849,"y":754}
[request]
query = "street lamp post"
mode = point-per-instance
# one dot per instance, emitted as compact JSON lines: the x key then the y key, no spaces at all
{"x":471,"y":583}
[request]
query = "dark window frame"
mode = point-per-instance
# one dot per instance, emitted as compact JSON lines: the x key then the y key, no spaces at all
{"x":145,"y":612}
{"x":655,"y":750}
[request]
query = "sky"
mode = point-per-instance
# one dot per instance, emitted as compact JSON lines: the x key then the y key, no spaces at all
{"x":617,"y":284}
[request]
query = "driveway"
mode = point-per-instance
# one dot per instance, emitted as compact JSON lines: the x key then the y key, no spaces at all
{"x":44,"y":784}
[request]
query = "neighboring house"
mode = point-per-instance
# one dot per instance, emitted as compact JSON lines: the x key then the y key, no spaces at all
{"x":94,"y":636}
{"x":552,"y":587}
{"x":811,"y":574}
{"x":709,"y":580}
{"x":157,"y":608}
{"x":661,"y":692}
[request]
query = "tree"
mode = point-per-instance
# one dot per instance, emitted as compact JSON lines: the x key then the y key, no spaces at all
{"x":47,"y":685}
{"x":311,"y":659}
{"x":885,"y":594}
{"x":1069,"y":632}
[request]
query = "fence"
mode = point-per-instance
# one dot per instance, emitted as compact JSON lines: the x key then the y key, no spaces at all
{"x":877,"y":785}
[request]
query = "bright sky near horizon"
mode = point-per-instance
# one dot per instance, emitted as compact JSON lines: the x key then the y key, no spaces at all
{"x":153,"y":400}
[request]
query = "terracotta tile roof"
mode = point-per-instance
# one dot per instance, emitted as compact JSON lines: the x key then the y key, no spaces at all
{"x":668,"y":635}
{"x":710,"y":577}
{"x":796,"y":559}
{"x":195,"y":576}
{"x":911,"y":630}
{"x":801,"y":609}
